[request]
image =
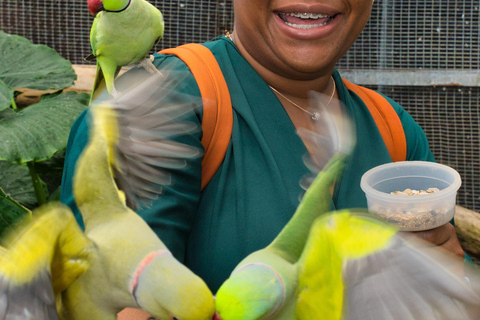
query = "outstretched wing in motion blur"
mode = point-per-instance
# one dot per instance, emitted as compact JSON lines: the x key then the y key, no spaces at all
{"x":153,"y":117}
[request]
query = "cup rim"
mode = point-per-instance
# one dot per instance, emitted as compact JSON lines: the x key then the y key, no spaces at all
{"x":371,"y":192}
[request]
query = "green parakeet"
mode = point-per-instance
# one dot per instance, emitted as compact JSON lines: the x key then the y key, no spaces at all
{"x":123,"y":32}
{"x":49,"y":243}
{"x":263,"y":285}
{"x":356,"y":267}
{"x":118,"y":261}
{"x":346,"y":264}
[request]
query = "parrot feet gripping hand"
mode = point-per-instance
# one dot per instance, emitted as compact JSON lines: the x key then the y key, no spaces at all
{"x":118,"y":262}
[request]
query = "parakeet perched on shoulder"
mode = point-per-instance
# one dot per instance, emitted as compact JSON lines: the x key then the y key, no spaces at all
{"x":52,"y":269}
{"x":122,"y":34}
{"x":345,"y":264}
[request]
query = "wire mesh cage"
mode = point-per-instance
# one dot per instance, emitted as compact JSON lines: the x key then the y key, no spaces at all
{"x":449,"y":116}
{"x":422,"y":53}
{"x":424,"y":34}
{"x":65,"y":25}
{"x":425,"y":55}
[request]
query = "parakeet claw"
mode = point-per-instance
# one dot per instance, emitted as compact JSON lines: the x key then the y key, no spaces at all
{"x":147,"y":64}
{"x":115,"y":93}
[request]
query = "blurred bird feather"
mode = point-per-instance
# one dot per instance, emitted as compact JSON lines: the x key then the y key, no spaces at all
{"x":51,"y":266}
{"x":345,"y":264}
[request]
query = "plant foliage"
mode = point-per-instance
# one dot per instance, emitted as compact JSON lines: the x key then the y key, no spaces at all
{"x":32,"y":135}
{"x":12,"y":212}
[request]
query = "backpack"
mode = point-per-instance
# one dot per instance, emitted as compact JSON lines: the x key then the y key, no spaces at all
{"x":217,"y":120}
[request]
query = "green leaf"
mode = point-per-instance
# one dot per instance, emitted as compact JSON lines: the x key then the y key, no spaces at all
{"x":6,"y":95}
{"x":15,"y":180}
{"x":35,"y":66}
{"x":11,"y":212}
{"x":51,"y":171}
{"x":55,"y":195}
{"x":35,"y":133}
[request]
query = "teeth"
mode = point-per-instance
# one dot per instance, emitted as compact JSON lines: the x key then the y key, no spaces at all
{"x":305,"y":26}
{"x":306,"y":15}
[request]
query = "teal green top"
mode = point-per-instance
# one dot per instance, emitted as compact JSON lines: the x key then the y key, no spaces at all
{"x":256,"y":189}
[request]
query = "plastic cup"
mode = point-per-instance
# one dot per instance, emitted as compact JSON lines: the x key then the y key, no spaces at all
{"x":412,"y":212}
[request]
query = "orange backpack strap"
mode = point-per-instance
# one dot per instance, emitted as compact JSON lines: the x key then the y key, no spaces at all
{"x":217,"y":120}
{"x":386,"y":118}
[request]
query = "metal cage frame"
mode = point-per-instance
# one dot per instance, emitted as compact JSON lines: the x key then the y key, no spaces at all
{"x":422,"y":53}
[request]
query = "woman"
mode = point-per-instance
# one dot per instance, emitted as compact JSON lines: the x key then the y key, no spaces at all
{"x":279,"y":51}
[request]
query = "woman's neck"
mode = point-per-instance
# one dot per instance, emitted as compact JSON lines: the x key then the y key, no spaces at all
{"x":294,"y":92}
{"x":294,"y":86}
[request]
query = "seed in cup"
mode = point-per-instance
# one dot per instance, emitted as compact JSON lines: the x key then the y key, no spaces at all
{"x":413,"y":192}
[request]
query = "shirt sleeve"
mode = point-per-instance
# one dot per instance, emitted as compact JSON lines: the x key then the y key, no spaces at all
{"x":172,"y":214}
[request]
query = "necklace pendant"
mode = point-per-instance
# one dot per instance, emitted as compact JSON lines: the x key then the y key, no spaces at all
{"x":316,"y":116}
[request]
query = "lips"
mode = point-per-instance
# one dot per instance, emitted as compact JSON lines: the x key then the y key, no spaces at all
{"x":305,"y":20}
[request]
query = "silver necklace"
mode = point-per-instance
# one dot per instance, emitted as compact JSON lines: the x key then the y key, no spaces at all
{"x":315,"y":115}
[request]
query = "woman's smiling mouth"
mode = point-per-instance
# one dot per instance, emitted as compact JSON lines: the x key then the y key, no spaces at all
{"x":304,"y":20}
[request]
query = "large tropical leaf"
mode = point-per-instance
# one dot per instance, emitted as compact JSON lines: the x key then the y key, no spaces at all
{"x":6,"y":94}
{"x":51,"y":171}
{"x":38,"y":131}
{"x":27,"y":65}
{"x":16,"y":181}
{"x":10,"y":212}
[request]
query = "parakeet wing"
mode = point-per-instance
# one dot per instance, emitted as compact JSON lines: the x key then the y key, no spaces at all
{"x":332,"y":236}
{"x":151,"y":113}
{"x":333,"y":133}
{"x":49,"y":242}
{"x":356,"y":267}
{"x":409,"y":280}
{"x":32,"y":300}
{"x":269,"y":292}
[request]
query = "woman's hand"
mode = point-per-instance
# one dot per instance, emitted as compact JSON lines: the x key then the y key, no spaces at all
{"x":443,"y":236}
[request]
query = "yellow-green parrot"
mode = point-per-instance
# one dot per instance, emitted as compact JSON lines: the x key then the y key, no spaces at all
{"x":123,"y":32}
{"x":49,"y":243}
{"x":263,"y":285}
{"x":355,"y":266}
{"x":345,"y":264}
{"x":51,"y":266}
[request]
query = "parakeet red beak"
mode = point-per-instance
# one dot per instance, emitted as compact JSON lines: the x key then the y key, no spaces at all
{"x":216,"y":317}
{"x":95,"y":6}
